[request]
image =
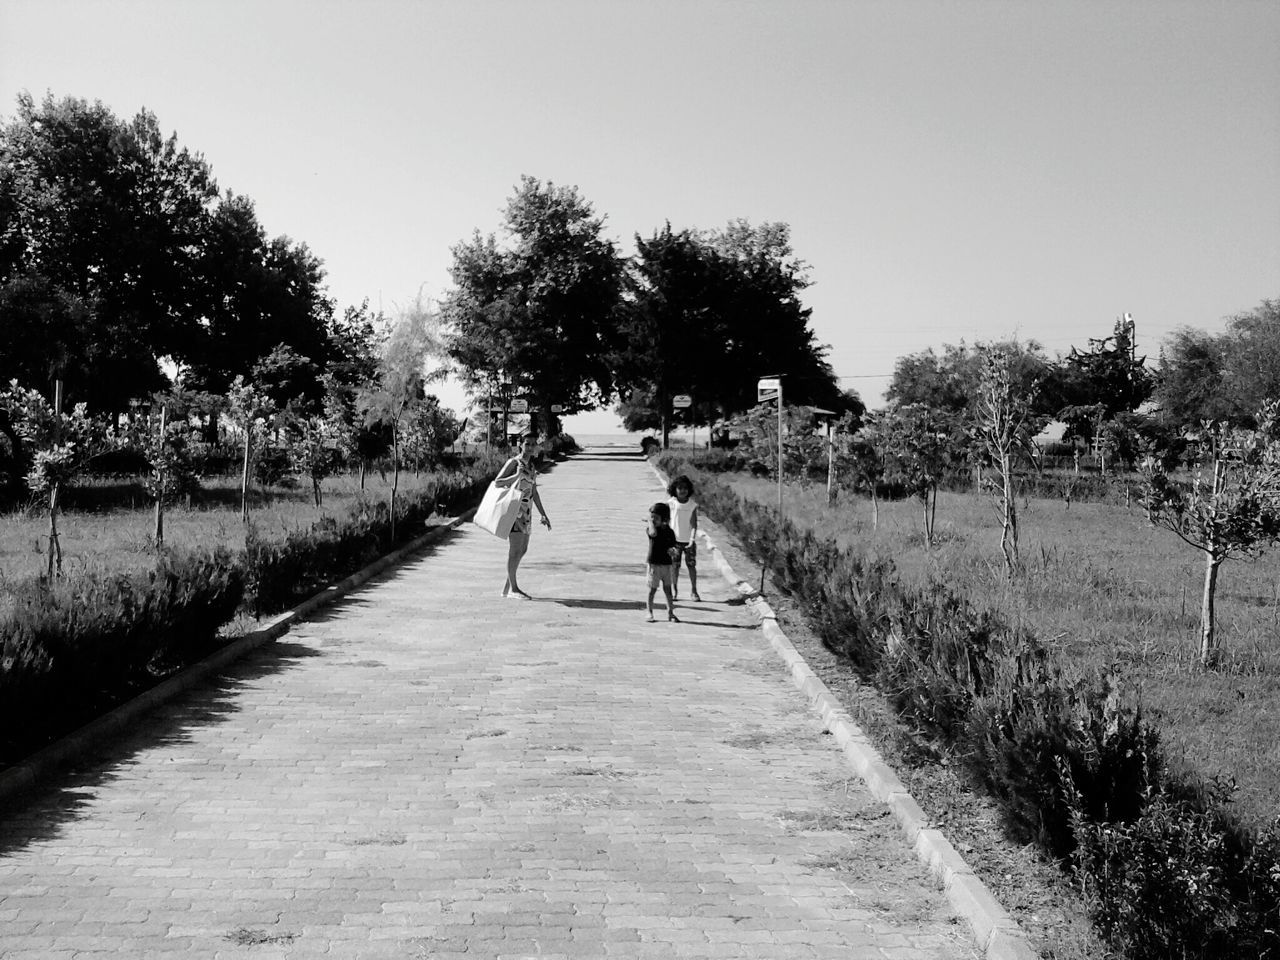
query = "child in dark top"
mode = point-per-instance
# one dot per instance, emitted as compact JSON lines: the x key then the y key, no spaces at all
{"x":662,"y":550}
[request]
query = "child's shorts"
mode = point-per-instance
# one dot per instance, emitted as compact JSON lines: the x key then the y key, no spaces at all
{"x":660,"y":574}
{"x":690,"y":553}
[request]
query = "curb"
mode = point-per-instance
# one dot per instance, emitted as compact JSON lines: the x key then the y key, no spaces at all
{"x":998,"y":935}
{"x":38,"y":767}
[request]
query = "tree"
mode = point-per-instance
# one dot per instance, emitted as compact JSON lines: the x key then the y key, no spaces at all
{"x":313,"y":452}
{"x":256,"y":295}
{"x":915,"y":444}
{"x":1094,"y":386}
{"x":949,"y":385}
{"x":1003,"y":426}
{"x":1231,"y":507}
{"x":413,"y":338}
{"x":1222,"y":377}
{"x":251,"y":410}
{"x":105,"y":218}
{"x":539,"y":311}
{"x":60,"y":445}
{"x":670,"y":325}
{"x":859,"y":464}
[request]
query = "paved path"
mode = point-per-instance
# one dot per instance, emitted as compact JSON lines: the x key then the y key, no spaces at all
{"x":427,"y":770}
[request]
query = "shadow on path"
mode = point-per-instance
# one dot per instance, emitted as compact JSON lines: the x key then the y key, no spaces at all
{"x":39,"y":814}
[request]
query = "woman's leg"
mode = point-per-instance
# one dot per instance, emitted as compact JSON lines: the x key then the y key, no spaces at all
{"x":518,"y":545}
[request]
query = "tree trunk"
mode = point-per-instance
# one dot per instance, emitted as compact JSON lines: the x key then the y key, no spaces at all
{"x":244,"y":477}
{"x":395,"y":475}
{"x":1009,"y":520}
{"x":875,"y":509}
{"x":1208,"y":638}
{"x":55,"y":546}
{"x":315,"y":488}
{"x":159,"y":526}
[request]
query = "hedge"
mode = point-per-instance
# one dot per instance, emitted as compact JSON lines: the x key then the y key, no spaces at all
{"x":1068,"y":756}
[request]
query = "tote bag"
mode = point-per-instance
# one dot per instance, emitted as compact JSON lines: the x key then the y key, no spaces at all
{"x":498,"y":510}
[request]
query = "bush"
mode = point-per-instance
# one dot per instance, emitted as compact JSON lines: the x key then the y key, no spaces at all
{"x":74,"y":647}
{"x":1180,"y":882}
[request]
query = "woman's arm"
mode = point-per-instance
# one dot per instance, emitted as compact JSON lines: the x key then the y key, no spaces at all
{"x":502,"y":480}
{"x":537,"y":502}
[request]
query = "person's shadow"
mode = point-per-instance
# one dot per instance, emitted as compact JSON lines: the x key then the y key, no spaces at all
{"x":593,"y":604}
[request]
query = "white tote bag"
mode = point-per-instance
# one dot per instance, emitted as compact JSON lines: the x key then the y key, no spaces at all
{"x":498,"y":509}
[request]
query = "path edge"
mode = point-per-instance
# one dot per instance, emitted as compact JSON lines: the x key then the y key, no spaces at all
{"x":996,"y":931}
{"x":33,"y":771}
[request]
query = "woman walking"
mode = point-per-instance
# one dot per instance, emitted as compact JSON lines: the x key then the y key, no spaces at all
{"x":520,"y":471}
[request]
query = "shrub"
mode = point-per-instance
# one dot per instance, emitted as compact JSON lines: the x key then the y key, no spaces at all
{"x":1180,"y":882}
{"x":71,"y":648}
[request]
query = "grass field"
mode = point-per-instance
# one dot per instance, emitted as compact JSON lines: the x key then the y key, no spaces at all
{"x":1101,"y":585}
{"x":120,"y":538}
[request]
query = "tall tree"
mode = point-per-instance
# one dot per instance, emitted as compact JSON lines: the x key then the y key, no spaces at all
{"x":1094,"y":386}
{"x":255,"y":294}
{"x":106,"y":216}
{"x":539,"y":311}
{"x":670,"y":326}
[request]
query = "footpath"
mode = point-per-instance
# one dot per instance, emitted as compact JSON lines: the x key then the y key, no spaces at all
{"x":425,"y":769}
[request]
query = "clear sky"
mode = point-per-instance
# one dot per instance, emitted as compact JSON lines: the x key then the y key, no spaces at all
{"x":950,"y":170}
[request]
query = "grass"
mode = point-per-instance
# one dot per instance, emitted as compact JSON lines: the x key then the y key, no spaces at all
{"x":119,"y":538}
{"x":1102,"y":585}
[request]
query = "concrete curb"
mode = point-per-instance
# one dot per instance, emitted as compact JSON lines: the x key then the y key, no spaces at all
{"x":997,"y":933}
{"x":38,"y":767}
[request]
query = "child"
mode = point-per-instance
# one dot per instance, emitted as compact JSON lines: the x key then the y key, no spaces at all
{"x":662,"y":548}
{"x":684,"y":523}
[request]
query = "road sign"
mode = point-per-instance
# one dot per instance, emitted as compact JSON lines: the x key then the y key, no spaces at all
{"x":768,"y":388}
{"x":557,"y":408}
{"x":681,"y":400}
{"x":519,"y":406}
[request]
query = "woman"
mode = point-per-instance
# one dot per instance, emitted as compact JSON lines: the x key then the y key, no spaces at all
{"x":519,"y":470}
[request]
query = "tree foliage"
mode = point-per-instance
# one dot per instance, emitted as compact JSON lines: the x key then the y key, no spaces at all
{"x":1223,"y":377}
{"x":540,"y":310}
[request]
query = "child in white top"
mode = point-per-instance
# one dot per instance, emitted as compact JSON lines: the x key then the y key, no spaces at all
{"x":684,"y":522}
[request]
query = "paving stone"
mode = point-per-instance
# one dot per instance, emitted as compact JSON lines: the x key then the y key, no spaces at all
{"x":426,"y":769}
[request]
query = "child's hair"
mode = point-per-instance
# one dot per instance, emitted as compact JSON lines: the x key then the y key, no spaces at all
{"x":662,"y":510}
{"x":678,"y":482}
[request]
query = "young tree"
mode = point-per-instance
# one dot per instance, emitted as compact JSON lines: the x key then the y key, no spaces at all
{"x":314,"y":450}
{"x":1003,"y":426}
{"x":60,"y":445}
{"x":1230,"y":509}
{"x":165,"y":442}
{"x":917,"y":450}
{"x":414,"y":338}
{"x":858,"y":463}
{"x":251,"y":410}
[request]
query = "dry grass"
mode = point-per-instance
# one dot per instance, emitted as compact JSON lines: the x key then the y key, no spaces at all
{"x":1103,"y":586}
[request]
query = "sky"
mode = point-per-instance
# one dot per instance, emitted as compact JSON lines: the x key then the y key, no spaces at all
{"x":966,"y":170}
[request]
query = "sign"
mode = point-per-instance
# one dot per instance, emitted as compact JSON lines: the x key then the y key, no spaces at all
{"x":768,"y":388}
{"x":681,"y":400}
{"x":519,"y":406}
{"x":557,"y":408}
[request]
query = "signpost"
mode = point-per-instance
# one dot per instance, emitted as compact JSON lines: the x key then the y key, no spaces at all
{"x":769,"y":388}
{"x":519,"y":406}
{"x":683,"y":401}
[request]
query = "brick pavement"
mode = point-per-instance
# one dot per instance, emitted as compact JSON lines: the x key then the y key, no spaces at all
{"x":428,"y":770}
